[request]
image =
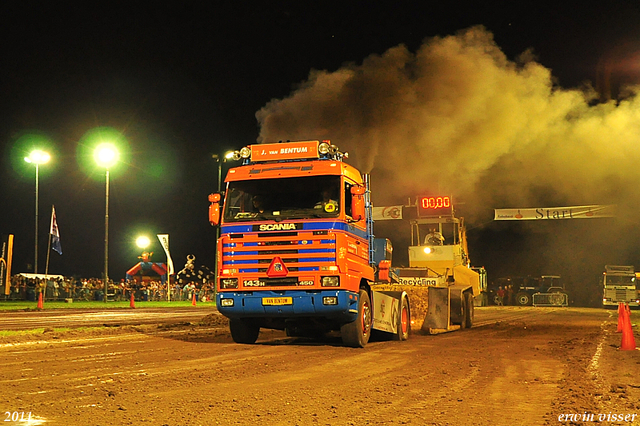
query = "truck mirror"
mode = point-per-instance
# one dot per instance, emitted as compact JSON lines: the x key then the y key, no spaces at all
{"x":214,"y":209}
{"x":357,"y":203}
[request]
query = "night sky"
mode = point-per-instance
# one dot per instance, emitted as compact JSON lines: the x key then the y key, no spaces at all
{"x":183,"y":80}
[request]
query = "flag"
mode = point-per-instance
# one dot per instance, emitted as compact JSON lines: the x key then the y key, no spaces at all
{"x":387,"y":213}
{"x":164,"y":241}
{"x":55,"y":233}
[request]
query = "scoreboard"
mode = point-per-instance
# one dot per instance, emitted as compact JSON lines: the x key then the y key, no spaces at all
{"x":439,"y":205}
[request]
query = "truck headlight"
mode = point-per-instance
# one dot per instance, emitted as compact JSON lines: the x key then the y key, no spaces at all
{"x":226,"y":283}
{"x":330,"y":281}
{"x":226,"y":302}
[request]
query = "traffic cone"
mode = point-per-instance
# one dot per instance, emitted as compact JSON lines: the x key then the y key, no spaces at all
{"x":621,"y":317}
{"x":132,"y":302}
{"x":40,"y":302}
{"x":628,"y":339}
{"x":193,"y":299}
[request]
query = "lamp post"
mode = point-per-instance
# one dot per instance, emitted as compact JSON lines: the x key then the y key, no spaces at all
{"x":106,"y":155}
{"x":37,"y":157}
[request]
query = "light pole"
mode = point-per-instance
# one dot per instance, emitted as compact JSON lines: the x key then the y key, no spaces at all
{"x":37,"y":157}
{"x":106,"y":155}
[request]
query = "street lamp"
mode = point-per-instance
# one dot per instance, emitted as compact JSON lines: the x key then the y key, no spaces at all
{"x":37,"y":157}
{"x":143,"y":242}
{"x":106,"y":155}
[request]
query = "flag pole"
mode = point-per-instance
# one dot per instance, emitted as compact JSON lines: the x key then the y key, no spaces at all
{"x":46,"y":269}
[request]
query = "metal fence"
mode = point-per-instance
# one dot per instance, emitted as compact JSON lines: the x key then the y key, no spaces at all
{"x":93,"y":289}
{"x":550,"y":299}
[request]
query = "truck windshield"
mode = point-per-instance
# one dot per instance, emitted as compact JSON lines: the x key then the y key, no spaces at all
{"x":281,"y":199}
{"x":617,"y":280}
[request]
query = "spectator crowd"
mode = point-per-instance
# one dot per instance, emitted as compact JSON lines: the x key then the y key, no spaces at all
{"x":62,"y":288}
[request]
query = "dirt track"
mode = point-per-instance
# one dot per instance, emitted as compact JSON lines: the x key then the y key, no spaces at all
{"x":523,"y":366}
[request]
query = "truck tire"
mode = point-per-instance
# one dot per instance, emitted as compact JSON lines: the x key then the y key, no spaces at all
{"x":523,"y":298}
{"x":404,"y":321}
{"x":468,"y":297}
{"x":243,"y":331}
{"x":356,"y":334}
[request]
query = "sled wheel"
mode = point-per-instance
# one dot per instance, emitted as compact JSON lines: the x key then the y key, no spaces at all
{"x":470,"y":309}
{"x":464,"y":310}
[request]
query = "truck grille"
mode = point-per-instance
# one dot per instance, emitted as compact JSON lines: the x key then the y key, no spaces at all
{"x":300,"y":252}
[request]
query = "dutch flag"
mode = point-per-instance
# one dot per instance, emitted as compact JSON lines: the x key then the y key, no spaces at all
{"x":55,"y":233}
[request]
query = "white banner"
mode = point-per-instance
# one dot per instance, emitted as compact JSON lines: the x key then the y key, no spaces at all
{"x":387,"y":213}
{"x":544,"y":213}
{"x":164,"y":241}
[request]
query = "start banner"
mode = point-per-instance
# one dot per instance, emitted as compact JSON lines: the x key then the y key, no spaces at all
{"x":544,"y":213}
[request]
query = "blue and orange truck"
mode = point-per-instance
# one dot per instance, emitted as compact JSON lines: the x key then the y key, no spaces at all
{"x":296,"y":250}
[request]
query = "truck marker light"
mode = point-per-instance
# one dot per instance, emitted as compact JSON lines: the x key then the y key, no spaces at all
{"x":328,"y":268}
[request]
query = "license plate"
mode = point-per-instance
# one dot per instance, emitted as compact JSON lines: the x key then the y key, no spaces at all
{"x":276,"y":301}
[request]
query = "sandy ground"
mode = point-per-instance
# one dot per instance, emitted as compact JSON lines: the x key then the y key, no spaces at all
{"x":520,"y":366}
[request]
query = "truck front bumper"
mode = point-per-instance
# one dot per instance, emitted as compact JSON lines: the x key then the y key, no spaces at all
{"x":335,"y":304}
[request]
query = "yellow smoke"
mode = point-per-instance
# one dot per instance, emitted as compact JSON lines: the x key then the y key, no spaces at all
{"x":458,"y":117}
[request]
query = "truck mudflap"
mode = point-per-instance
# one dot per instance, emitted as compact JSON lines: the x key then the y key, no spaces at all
{"x":387,"y":308}
{"x":341,"y":305}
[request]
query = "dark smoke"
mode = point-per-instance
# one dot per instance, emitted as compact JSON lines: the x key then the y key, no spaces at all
{"x":458,"y":117}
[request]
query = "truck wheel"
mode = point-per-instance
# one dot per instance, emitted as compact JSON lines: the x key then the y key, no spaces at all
{"x":523,"y":299}
{"x":404,"y":321}
{"x":356,"y":334}
{"x":468,"y":297}
{"x":243,"y":331}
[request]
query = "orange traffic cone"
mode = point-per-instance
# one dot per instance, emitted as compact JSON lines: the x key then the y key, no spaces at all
{"x":132,"y":302}
{"x":193,"y":299}
{"x":628,"y":339}
{"x":621,"y":310}
{"x":40,"y":302}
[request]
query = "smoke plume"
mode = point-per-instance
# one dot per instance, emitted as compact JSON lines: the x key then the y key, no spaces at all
{"x":458,"y":117}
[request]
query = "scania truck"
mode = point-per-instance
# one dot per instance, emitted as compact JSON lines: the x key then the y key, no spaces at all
{"x":297,"y":251}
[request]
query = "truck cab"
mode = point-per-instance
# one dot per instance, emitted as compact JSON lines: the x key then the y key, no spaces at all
{"x":296,"y":243}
